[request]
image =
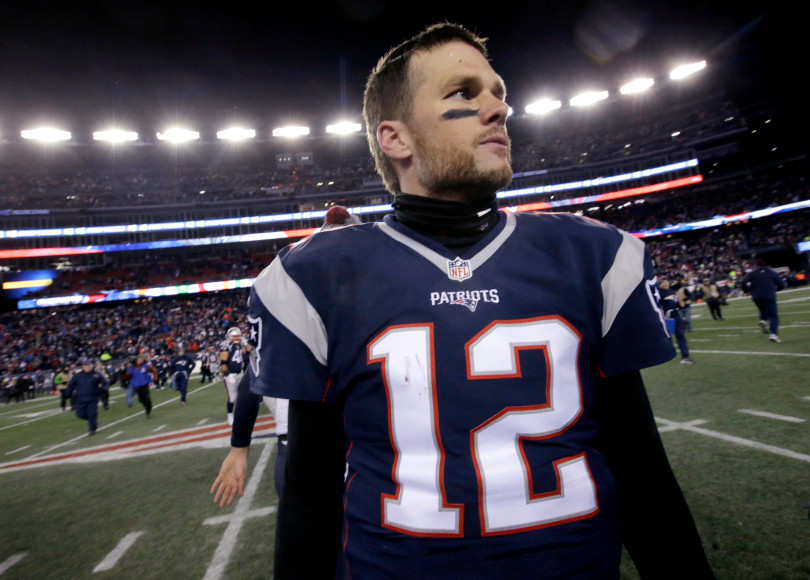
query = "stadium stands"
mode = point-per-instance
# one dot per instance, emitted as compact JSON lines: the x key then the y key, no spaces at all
{"x":84,"y":187}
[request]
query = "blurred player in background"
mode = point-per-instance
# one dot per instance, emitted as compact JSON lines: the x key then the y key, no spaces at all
{"x":233,"y":359}
{"x":209,"y":365}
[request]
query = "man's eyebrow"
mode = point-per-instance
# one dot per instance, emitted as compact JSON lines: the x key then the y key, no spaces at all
{"x":461,"y":80}
{"x":498,"y":87}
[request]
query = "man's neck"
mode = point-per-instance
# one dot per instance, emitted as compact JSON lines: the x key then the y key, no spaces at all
{"x":453,"y":224}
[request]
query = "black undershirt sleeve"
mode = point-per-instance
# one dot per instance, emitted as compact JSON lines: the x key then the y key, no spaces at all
{"x":657,"y":527}
{"x":310,"y":513}
{"x":245,"y":412}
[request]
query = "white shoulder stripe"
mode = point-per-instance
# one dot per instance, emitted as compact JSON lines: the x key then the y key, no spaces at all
{"x":285,"y":300}
{"x":622,"y":279}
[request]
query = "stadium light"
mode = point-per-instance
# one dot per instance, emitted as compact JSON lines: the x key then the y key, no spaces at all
{"x":115,"y":136}
{"x":45,"y":134}
{"x":686,"y":70}
{"x":589,"y":98}
{"x":178,"y":135}
{"x":291,"y":132}
{"x":543,"y":106}
{"x":236,"y":134}
{"x":344,"y":128}
{"x":636,"y":86}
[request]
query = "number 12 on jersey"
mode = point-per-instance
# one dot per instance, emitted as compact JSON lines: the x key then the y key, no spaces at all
{"x":506,"y":501}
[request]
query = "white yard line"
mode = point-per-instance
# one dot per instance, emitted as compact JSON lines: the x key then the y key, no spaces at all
{"x":4,"y":566}
{"x":39,"y":417}
{"x":240,"y":513}
{"x":750,"y":353}
{"x":17,"y":450}
{"x":689,"y":426}
{"x":45,"y":400}
{"x":676,"y":426}
{"x":767,"y":415}
{"x":111,"y":559}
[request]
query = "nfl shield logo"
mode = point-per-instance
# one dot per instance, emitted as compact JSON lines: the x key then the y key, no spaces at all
{"x":459,"y":269}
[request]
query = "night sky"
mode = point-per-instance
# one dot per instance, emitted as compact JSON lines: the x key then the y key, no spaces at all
{"x":143,"y":64}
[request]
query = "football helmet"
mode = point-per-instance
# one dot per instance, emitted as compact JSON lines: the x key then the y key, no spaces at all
{"x":234,"y":335}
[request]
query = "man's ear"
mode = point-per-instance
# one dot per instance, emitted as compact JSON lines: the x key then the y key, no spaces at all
{"x":394,"y":139}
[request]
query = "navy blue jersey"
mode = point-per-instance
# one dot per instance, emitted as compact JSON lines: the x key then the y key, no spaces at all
{"x":467,"y":385}
{"x":669,"y":302}
{"x":182,"y":364}
{"x":87,"y":386}
{"x":232,"y":355}
{"x":762,"y":283}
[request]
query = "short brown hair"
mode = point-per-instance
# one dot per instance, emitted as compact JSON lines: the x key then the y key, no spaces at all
{"x":388,"y":89}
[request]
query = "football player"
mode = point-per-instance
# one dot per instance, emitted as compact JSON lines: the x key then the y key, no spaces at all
{"x":232,"y":358}
{"x":209,"y":364}
{"x":464,"y":385}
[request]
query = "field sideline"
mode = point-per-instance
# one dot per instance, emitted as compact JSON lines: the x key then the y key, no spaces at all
{"x":133,"y":502}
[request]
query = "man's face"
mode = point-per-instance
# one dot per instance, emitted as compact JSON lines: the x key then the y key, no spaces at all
{"x":457,"y":123}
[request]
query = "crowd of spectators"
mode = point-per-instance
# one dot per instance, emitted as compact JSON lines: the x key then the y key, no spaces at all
{"x":41,"y":340}
{"x":34,"y":343}
{"x":724,"y":255}
{"x":37,"y":342}
{"x":153,"y":271}
{"x":767,"y":189}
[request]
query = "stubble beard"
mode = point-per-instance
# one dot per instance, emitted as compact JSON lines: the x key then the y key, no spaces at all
{"x":451,"y":173}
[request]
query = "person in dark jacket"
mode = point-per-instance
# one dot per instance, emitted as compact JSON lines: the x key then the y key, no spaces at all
{"x":672,"y":307}
{"x":762,"y":284}
{"x":181,"y":368}
{"x":87,"y":385}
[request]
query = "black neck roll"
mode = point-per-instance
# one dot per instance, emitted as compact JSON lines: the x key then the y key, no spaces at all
{"x":453,"y":224}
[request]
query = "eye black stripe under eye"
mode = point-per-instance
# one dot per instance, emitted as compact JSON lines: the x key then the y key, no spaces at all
{"x":459,"y":114}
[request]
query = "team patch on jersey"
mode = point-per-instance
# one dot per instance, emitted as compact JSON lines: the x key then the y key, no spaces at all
{"x":459,"y":269}
{"x":255,"y":341}
{"x":468,"y":298}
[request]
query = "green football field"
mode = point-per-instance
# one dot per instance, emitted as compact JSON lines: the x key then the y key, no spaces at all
{"x":133,"y":501}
